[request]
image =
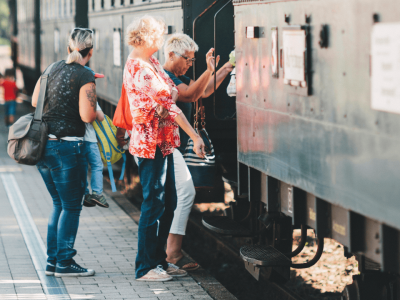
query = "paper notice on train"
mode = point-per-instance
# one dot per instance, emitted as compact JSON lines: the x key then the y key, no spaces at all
{"x":385,"y":67}
{"x":294,"y":47}
{"x":117,"y":47}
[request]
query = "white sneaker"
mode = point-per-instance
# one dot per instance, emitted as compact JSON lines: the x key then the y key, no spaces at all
{"x":157,"y":274}
{"x":174,"y":271}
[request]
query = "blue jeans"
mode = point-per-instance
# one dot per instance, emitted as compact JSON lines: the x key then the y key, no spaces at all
{"x":159,"y":202}
{"x":63,"y":169}
{"x":93,"y":158}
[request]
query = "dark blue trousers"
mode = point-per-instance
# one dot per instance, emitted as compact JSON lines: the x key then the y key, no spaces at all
{"x":157,"y":177}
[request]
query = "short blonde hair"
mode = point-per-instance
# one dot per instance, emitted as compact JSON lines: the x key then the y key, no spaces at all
{"x":80,"y":42}
{"x":179,"y":43}
{"x":148,"y":31}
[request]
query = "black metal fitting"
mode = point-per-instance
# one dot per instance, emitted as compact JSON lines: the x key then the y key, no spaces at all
{"x":324,"y":36}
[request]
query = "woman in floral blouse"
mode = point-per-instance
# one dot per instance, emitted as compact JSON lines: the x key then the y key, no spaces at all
{"x":153,"y":139}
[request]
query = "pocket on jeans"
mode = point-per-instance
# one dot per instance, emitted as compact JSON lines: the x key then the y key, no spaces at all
{"x":53,"y":160}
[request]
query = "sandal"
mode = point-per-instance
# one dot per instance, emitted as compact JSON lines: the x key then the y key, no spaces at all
{"x":187,"y":264}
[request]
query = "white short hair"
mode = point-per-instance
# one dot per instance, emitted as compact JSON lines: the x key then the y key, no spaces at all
{"x":147,"y":31}
{"x":179,"y":43}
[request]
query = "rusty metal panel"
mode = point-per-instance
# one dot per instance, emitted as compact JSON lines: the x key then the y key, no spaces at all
{"x":311,"y":211}
{"x":340,"y":226}
{"x":331,"y":143}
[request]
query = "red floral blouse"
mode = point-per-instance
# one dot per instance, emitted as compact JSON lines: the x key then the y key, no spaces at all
{"x":146,"y":89}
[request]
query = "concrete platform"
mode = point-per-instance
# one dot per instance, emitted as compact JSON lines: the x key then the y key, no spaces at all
{"x":106,"y":242}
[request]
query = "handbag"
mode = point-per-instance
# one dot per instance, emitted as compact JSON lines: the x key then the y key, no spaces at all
{"x":27,"y":137}
{"x":202,"y":170}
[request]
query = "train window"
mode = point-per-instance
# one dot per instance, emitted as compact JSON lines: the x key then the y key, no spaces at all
{"x":122,"y":2}
{"x":112,"y":2}
{"x":93,"y":4}
{"x":56,"y":41}
{"x":102,"y":3}
{"x":117,"y":47}
{"x":131,"y":1}
{"x":274,"y":52}
{"x":96,"y":39}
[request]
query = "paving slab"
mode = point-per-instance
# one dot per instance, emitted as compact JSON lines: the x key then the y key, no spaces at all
{"x":106,"y":242}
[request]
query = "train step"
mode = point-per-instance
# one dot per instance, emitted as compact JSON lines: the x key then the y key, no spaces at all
{"x":266,"y":256}
{"x":225,"y":225}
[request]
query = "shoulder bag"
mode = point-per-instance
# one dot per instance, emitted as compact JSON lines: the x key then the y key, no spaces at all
{"x":202,"y":170}
{"x":27,"y":137}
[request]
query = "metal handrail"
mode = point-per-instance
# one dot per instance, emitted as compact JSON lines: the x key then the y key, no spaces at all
{"x":194,"y":32}
{"x":215,"y":61}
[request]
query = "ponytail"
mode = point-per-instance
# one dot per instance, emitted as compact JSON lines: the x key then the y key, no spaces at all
{"x":74,"y":56}
{"x":79,"y":39}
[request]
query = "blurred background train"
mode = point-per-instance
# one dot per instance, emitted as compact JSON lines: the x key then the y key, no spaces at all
{"x":310,"y":141}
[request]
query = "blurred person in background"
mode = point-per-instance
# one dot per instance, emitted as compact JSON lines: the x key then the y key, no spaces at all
{"x":10,"y":95}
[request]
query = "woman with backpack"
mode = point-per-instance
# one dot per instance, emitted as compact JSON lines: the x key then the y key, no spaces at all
{"x":70,"y":102}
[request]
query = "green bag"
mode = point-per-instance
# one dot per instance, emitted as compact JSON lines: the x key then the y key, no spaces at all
{"x":110,"y":151}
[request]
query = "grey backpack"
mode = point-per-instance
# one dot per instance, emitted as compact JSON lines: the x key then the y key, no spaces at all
{"x":27,"y":137}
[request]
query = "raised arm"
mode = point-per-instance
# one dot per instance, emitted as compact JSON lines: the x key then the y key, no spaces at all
{"x":196,"y":89}
{"x":221,"y":74}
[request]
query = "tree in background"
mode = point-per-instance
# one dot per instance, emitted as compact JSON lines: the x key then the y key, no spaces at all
{"x":4,"y":23}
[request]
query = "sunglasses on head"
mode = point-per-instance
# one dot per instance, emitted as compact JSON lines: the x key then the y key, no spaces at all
{"x":82,"y":29}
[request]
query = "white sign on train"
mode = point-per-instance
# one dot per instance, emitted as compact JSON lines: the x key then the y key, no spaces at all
{"x":294,"y":47}
{"x":385,"y":67}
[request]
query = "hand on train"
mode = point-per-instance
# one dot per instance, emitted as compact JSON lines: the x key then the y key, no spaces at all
{"x":210,"y":59}
{"x":162,"y":111}
{"x":198,"y":147}
{"x":228,"y":67}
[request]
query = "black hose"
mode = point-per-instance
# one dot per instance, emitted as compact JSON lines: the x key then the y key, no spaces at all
{"x":315,"y":259}
{"x":302,"y":243}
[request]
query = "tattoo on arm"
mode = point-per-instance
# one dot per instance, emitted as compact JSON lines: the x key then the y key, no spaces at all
{"x":91,"y":95}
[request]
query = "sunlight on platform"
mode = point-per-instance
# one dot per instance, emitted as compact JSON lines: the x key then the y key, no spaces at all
{"x":43,"y":296}
{"x":19,"y":281}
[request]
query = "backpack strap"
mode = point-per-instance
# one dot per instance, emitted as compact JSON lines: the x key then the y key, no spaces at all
{"x":123,"y":166}
{"x":42,"y":93}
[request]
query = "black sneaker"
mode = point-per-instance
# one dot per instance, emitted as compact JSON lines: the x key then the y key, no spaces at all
{"x":73,"y":270}
{"x":50,"y":269}
{"x":87,"y":202}
{"x":100,"y":200}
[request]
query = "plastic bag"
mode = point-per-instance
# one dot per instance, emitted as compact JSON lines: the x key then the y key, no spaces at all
{"x":231,"y":89}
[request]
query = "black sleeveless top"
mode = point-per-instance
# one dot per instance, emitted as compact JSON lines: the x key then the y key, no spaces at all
{"x":61,"y":104}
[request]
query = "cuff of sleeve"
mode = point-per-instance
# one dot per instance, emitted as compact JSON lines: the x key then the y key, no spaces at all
{"x":174,"y":111}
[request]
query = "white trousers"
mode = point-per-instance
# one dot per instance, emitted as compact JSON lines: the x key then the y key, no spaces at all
{"x":185,"y":194}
